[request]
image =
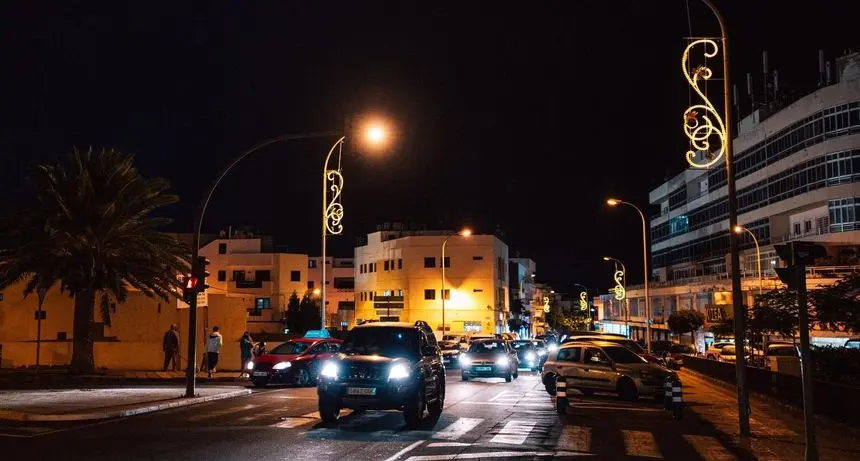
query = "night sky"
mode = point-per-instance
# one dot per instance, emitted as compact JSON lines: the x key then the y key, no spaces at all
{"x":520,"y":116}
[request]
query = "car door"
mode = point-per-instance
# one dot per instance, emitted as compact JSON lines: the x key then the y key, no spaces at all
{"x":318,"y":353}
{"x":597,"y":372}
{"x":430,"y":363}
{"x":568,"y":363}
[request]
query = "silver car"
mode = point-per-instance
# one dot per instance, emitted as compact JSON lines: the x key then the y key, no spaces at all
{"x":602,"y":366}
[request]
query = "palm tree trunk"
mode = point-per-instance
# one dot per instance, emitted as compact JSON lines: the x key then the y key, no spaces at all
{"x":82,"y":347}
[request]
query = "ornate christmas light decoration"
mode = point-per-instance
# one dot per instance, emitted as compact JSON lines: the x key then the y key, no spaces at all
{"x":620,"y":292}
{"x":546,"y":306}
{"x":583,"y":303}
{"x":702,"y":121}
{"x":334,"y":209}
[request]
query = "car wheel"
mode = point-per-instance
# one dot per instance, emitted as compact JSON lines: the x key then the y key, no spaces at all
{"x":535,"y":369}
{"x":435,"y":408}
{"x":328,"y":410}
{"x":627,"y":390}
{"x":304,"y":377}
{"x":465,"y":377}
{"x":508,"y":377}
{"x":711,"y":357}
{"x":260,"y":384}
{"x":549,"y":385}
{"x":414,"y":411}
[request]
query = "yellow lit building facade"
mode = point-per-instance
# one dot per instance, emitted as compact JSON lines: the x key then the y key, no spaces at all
{"x":398,"y":277}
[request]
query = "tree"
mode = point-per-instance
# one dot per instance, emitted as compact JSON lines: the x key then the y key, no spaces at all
{"x":774,"y":312}
{"x":685,"y":321}
{"x":293,"y":314}
{"x":723,"y":329}
{"x":309,"y":313}
{"x":837,"y":306}
{"x":91,"y":230}
{"x":514,"y":324}
{"x":517,"y":307}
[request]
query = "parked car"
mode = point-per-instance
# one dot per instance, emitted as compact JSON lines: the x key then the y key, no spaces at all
{"x":713,"y":352}
{"x":489,"y":358}
{"x":603,"y":366}
{"x":528,"y":355}
{"x":385,"y":366}
{"x":624,"y":341}
{"x":297,"y":361}
{"x":853,"y":343}
{"x":450,"y":353}
{"x":674,"y":357}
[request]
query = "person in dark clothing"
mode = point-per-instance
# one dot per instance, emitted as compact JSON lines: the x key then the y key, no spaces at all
{"x":246,"y":346}
{"x":213,"y":350}
{"x":170,"y":345}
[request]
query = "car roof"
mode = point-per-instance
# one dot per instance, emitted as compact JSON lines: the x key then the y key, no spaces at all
{"x":590,"y":343}
{"x":387,"y":324}
{"x":311,"y":340}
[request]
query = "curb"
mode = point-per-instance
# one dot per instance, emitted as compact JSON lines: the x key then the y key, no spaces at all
{"x":9,"y":415}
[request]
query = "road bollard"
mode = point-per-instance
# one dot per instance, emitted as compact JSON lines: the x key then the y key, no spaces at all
{"x":667,"y":394}
{"x":677,"y":400}
{"x":561,"y":401}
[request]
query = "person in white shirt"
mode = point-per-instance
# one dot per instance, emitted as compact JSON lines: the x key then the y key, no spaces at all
{"x":213,"y":350}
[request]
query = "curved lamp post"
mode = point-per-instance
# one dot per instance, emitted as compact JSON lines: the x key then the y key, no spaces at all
{"x":620,"y":289}
{"x":616,"y":202}
{"x":738,"y":229}
{"x":463,"y":233}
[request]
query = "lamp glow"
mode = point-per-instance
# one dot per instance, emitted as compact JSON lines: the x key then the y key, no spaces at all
{"x":317,"y":291}
{"x":376,"y":134}
{"x":398,"y":371}
{"x":546,"y":306}
{"x":503,"y":361}
{"x":466,"y":232}
{"x":620,"y":292}
{"x":699,"y":119}
{"x":738,"y":229}
{"x":250,"y":365}
{"x":465,"y":360}
{"x":613,"y":202}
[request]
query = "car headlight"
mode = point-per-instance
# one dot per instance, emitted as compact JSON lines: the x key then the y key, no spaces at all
{"x":249,"y":365}
{"x":398,"y":371}
{"x":552,"y":347}
{"x":329,"y":370}
{"x":542,"y":352}
{"x":503,"y":361}
{"x":282,"y":366}
{"x":465,"y":360}
{"x":530,"y":356}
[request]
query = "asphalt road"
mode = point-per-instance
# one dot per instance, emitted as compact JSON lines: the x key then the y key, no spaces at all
{"x":483,"y":419}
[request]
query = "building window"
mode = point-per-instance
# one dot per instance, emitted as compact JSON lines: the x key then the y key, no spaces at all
{"x":477,"y":258}
{"x":429,"y":262}
{"x":370,"y":293}
{"x":843,"y":214}
{"x":807,"y":226}
{"x":446,"y":294}
{"x":400,"y":264}
{"x":222,"y":276}
{"x":797,"y":228}
{"x":477,"y":290}
{"x":222,"y":248}
{"x":678,"y":225}
{"x":447,"y":261}
{"x":385,"y":266}
{"x":430,"y":294}
{"x":310,"y":284}
{"x":239,"y":276}
{"x":312,"y":263}
{"x":263,"y":276}
{"x":263,"y":303}
{"x":473,"y":327}
{"x":344,"y":283}
{"x":295,"y":276}
{"x":500,"y":268}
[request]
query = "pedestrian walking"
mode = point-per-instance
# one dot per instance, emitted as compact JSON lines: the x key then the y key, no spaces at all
{"x":170,"y":346}
{"x":246,"y":350}
{"x":261,"y":349}
{"x":213,"y":350}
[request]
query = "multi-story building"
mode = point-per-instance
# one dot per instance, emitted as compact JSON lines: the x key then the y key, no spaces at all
{"x":399,"y":277}
{"x":797,"y":169}
{"x":542,"y":295}
{"x":340,"y":286}
{"x":521,"y":273}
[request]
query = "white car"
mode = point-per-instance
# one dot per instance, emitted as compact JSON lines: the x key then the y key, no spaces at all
{"x":713,"y":352}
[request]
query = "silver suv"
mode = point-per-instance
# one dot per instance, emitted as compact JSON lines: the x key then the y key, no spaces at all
{"x":602,"y":366}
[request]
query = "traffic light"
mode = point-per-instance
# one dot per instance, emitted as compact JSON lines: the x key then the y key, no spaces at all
{"x":189,"y":288}
{"x":199,"y":273}
{"x":797,"y":255}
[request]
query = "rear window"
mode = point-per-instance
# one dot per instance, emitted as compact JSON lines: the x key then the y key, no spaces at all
{"x":522,"y":345}
{"x":570,"y":354}
{"x":620,"y":354}
{"x":479,"y":347}
{"x":291,"y":347}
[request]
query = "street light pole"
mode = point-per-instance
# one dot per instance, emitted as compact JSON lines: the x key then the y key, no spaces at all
{"x":42,"y":292}
{"x":626,"y":300}
{"x":332,"y":212}
{"x":738,"y":230}
{"x":462,"y":233}
{"x":614,"y":202}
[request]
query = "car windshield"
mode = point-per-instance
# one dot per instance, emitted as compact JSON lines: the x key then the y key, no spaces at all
{"x":480,"y":347}
{"x":384,"y":341}
{"x":291,"y":347}
{"x":450,"y":338}
{"x":620,"y":354}
{"x":539,"y":344}
{"x":853,"y":344}
{"x":522,"y":345}
{"x":449,"y":346}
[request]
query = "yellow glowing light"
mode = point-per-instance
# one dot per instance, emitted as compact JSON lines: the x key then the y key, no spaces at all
{"x":317,"y":291}
{"x":334,"y":210}
{"x":583,"y":303}
{"x":376,"y":134}
{"x":738,"y":229}
{"x":606,"y":258}
{"x":546,"y":306}
{"x":613,"y":202}
{"x":466,"y":232}
{"x":699,"y":118}
{"x":459,"y":300}
{"x":620,"y":292}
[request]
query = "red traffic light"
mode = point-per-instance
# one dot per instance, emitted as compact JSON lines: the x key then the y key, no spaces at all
{"x":190,"y":283}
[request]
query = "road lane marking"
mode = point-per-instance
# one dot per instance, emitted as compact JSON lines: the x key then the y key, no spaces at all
{"x":640,"y":444}
{"x":575,"y":438}
{"x":217,"y":413}
{"x":448,"y":444}
{"x":514,"y":432}
{"x":290,"y":423}
{"x":315,"y":414}
{"x":709,"y":448}
{"x":404,"y":451}
{"x":546,"y":405}
{"x":458,"y":429}
{"x":498,"y":454}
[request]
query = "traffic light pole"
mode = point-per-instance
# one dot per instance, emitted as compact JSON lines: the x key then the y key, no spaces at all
{"x":190,"y":374}
{"x":811,"y":453}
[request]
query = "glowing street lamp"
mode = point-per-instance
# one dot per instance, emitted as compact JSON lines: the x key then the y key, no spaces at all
{"x":616,"y":202}
{"x":332,"y":205}
{"x":466,"y":232}
{"x":738,"y":229}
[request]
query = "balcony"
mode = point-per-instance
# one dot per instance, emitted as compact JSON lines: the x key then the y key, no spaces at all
{"x":251,"y":287}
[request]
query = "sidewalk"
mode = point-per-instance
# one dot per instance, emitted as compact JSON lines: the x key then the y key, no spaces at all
{"x":93,"y":404}
{"x":59,"y":377}
{"x":777,"y":433}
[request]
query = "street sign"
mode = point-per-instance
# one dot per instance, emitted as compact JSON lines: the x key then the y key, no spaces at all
{"x":202,"y":300}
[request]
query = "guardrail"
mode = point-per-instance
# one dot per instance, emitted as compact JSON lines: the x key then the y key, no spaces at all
{"x":835,"y":401}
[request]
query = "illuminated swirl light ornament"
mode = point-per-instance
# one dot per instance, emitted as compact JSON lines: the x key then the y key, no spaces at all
{"x":700,"y":119}
{"x":620,"y":293}
{"x":334,"y":210}
{"x":546,"y":307}
{"x":583,"y":304}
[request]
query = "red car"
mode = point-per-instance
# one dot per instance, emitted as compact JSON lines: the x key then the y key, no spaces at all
{"x":297,"y":361}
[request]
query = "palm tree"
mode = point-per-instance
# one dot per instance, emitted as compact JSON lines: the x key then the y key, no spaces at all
{"x":91,"y":230}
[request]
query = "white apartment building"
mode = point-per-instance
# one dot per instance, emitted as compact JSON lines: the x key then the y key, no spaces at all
{"x":340,"y":288}
{"x":399,"y":277}
{"x":797,"y":169}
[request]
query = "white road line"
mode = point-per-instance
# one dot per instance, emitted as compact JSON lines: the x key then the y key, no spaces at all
{"x":217,"y":413}
{"x":640,"y":444}
{"x":404,"y":451}
{"x":575,"y":438}
{"x":611,"y":407}
{"x":289,"y":423}
{"x":547,"y":405}
{"x":514,"y":432}
{"x":458,"y":429}
{"x":497,"y":454}
{"x":448,"y":444}
{"x":709,"y":447}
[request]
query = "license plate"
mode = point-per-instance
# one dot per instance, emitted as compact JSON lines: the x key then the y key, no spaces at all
{"x":261,"y":373}
{"x":483,"y":368}
{"x":361,"y":391}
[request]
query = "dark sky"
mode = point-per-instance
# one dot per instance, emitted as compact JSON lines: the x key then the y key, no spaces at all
{"x":521,"y":115}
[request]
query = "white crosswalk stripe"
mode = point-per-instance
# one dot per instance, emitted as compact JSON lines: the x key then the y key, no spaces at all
{"x":641,"y":444}
{"x":219,"y":413}
{"x":575,"y":438}
{"x":458,"y":428}
{"x":514,"y":432}
{"x":709,"y":447}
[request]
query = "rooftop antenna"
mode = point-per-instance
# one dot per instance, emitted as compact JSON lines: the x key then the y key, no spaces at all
{"x":775,"y":83}
{"x":820,"y":68}
{"x":764,"y":74}
{"x":829,"y":72}
{"x":750,"y":91}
